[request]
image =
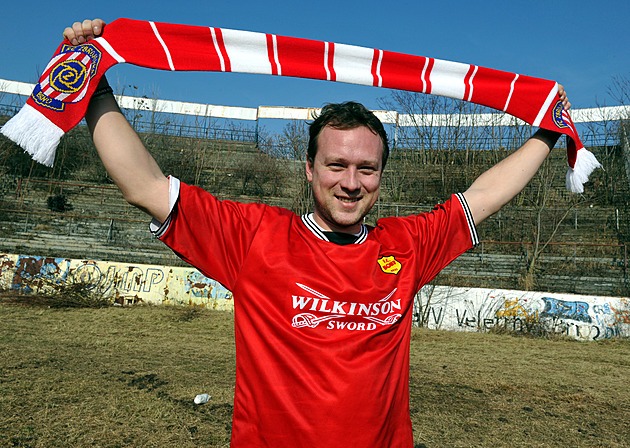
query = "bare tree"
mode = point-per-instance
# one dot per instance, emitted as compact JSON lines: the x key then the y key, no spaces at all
{"x":541,"y":241}
{"x":293,"y":141}
{"x":619,"y":89}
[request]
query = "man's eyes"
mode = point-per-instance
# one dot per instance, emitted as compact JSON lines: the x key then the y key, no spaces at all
{"x":368,"y":169}
{"x":365,"y":169}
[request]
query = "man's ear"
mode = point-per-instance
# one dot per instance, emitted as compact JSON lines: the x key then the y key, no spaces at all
{"x":309,"y":170}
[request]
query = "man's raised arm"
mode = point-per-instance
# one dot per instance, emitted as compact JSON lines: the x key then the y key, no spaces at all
{"x":127,"y":161}
{"x":497,"y":186}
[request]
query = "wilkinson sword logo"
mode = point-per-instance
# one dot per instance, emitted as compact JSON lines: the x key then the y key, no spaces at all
{"x":384,"y":312}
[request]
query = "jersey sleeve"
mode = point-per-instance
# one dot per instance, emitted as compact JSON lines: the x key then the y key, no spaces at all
{"x":437,"y":237}
{"x":444,"y":234}
{"x":212,"y":235}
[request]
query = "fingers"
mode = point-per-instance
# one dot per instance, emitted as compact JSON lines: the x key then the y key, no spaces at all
{"x":563,"y":97}
{"x":82,"y":32}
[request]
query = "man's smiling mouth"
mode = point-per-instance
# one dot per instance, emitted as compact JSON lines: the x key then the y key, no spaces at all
{"x":348,"y":200}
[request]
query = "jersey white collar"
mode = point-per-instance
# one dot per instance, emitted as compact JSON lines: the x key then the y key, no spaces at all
{"x":309,"y":221}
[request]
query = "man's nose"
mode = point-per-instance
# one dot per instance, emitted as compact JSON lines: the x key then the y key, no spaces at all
{"x":350,"y":180}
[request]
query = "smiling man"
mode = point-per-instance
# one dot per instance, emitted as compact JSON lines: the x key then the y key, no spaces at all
{"x":347,"y":153}
{"x":323,"y":303}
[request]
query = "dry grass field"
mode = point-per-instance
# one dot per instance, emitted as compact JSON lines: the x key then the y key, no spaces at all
{"x":126,"y":377}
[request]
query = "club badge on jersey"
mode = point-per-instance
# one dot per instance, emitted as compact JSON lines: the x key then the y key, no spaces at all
{"x":389,"y":265}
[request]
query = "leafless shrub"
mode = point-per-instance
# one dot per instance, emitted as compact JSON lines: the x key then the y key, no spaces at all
{"x":59,"y":295}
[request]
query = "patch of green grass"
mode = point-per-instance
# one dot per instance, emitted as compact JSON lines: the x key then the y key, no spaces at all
{"x":127,"y":377}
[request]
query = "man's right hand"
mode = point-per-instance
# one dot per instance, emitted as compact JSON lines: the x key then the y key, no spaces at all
{"x":82,"y":32}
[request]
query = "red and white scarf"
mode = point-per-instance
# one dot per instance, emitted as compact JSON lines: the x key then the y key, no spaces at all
{"x":60,"y":99}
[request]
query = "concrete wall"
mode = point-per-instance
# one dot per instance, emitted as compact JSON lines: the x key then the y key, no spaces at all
{"x":479,"y":309}
{"x":126,"y":283}
{"x":438,"y":307}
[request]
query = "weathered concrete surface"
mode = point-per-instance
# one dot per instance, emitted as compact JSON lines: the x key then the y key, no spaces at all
{"x":583,"y":317}
{"x":438,"y":307}
{"x":125,"y":283}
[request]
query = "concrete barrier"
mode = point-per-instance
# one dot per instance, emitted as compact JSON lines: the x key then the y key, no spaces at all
{"x":583,"y":317}
{"x":437,"y":307}
{"x":123,"y":282}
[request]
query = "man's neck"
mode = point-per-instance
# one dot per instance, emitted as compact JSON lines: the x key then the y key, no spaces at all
{"x":327,"y":226}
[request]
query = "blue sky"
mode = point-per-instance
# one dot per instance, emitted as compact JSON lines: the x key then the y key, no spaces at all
{"x":581,"y":44}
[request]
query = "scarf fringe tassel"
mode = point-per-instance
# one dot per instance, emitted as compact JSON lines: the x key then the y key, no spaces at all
{"x":585,"y":163}
{"x":35,"y":133}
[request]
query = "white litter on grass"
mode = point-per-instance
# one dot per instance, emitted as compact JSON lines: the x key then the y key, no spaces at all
{"x":202,"y":398}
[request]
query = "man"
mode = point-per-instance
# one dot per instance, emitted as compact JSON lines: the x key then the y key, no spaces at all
{"x":322,"y":302}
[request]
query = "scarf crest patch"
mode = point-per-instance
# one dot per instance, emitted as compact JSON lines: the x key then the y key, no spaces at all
{"x":67,"y":77}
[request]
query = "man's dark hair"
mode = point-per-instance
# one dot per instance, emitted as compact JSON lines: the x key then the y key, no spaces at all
{"x":348,"y":115}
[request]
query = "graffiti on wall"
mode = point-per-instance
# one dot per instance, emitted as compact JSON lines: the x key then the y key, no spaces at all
{"x":125,"y":283}
{"x":478,"y":309}
{"x":439,"y":307}
{"x":564,"y":309}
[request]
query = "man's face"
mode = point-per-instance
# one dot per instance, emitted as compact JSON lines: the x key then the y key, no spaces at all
{"x":346,"y":177}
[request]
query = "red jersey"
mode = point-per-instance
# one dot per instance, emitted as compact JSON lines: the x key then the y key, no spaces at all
{"x":322,"y":330}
